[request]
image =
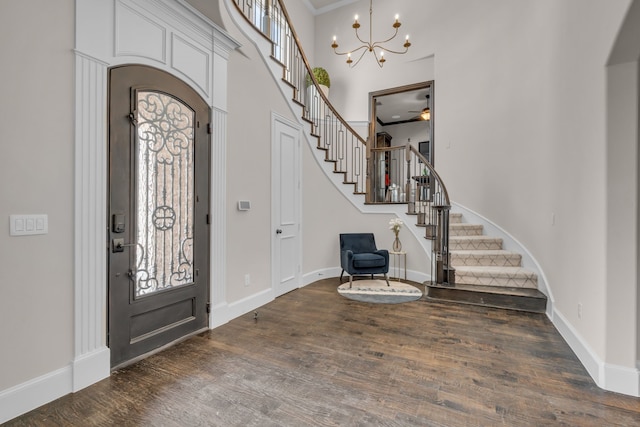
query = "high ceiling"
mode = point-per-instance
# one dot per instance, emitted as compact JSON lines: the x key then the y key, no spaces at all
{"x":322,"y":6}
{"x":401,"y":107}
{"x":396,"y":108}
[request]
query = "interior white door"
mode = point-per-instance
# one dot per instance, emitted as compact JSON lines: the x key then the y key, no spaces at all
{"x":286,"y":246}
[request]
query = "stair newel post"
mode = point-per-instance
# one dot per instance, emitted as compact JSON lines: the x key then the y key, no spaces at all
{"x":441,"y":261}
{"x":411,"y":204}
{"x":369,"y":167}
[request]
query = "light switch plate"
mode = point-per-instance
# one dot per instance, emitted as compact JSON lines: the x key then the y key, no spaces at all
{"x":27,"y":225}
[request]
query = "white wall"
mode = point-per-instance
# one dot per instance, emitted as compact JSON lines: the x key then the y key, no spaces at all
{"x":350,"y":86}
{"x":528,"y":107}
{"x":415,"y":131}
{"x":253,"y":95}
{"x":327,"y":213}
{"x":36,"y":171}
{"x":304,"y":23}
{"x":623,"y":117}
{"x":521,"y":113}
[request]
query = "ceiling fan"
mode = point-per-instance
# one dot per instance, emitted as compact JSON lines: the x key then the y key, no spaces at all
{"x":424,"y":114}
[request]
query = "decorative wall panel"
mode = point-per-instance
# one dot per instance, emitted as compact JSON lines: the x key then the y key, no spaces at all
{"x":192,"y":61}
{"x":137,"y":35}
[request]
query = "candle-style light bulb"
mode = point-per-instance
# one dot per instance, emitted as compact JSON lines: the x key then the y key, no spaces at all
{"x":406,"y":42}
{"x":356,"y":24}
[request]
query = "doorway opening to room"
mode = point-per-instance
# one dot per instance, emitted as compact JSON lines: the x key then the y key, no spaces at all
{"x":401,"y":121}
{"x":158,"y":212}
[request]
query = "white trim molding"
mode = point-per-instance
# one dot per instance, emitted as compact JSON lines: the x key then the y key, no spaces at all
{"x":90,"y":281}
{"x":24,"y":397}
{"x":218,"y":274}
{"x":619,"y":379}
{"x":175,"y":38}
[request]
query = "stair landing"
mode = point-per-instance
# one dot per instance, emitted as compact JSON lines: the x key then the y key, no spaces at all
{"x":522,"y":299}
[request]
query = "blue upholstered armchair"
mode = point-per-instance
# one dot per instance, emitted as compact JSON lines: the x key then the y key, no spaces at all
{"x":359,"y":255}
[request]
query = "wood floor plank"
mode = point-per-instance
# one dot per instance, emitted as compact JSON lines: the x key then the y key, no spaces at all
{"x":314,"y":358}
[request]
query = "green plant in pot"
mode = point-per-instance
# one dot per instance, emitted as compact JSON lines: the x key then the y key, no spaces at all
{"x":322,"y":77}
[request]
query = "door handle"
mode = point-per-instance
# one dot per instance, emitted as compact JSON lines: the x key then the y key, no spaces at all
{"x":118,"y":245}
{"x":278,"y":231}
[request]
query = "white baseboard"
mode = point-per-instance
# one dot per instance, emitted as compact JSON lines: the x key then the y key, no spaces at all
{"x":29,"y":395}
{"x":609,"y":377}
{"x":621,"y":379}
{"x":91,"y":368}
{"x":223,"y":313}
{"x":84,"y":371}
{"x":323,"y":273}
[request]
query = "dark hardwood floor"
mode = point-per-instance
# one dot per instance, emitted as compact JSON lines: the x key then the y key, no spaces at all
{"x":313,"y":357}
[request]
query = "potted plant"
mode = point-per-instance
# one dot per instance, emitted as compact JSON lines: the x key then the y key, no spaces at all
{"x":322,"y":77}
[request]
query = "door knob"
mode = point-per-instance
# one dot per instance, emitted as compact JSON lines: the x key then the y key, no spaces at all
{"x":278,"y":231}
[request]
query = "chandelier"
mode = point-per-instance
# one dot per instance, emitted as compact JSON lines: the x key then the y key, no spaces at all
{"x":376,"y":48}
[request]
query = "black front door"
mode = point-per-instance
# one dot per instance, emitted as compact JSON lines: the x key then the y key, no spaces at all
{"x":158,"y":211}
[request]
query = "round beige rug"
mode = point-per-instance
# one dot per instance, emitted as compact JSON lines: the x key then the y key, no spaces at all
{"x":377,"y":291}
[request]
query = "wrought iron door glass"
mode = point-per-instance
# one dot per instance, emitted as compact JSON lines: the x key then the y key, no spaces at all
{"x":164,"y":193}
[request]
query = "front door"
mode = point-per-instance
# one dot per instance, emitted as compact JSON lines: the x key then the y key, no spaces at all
{"x":158,"y":211}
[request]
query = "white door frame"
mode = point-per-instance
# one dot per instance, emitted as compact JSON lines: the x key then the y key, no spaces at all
{"x":275,"y":204}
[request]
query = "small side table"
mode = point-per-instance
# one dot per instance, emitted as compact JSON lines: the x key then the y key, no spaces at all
{"x":398,"y":263}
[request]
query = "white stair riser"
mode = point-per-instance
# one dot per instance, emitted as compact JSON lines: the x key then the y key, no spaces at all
{"x":485,"y":244}
{"x":512,"y":281}
{"x":465,"y":229}
{"x":486,"y":259}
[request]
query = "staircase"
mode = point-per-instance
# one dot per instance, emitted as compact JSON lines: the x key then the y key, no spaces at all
{"x":486,"y":274}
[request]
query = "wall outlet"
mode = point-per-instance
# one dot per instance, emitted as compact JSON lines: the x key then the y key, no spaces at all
{"x":579,"y":310}
{"x":247,"y":279}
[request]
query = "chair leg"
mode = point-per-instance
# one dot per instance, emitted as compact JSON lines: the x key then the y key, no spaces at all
{"x":387,"y":279}
{"x":341,"y":276}
{"x":350,"y":281}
